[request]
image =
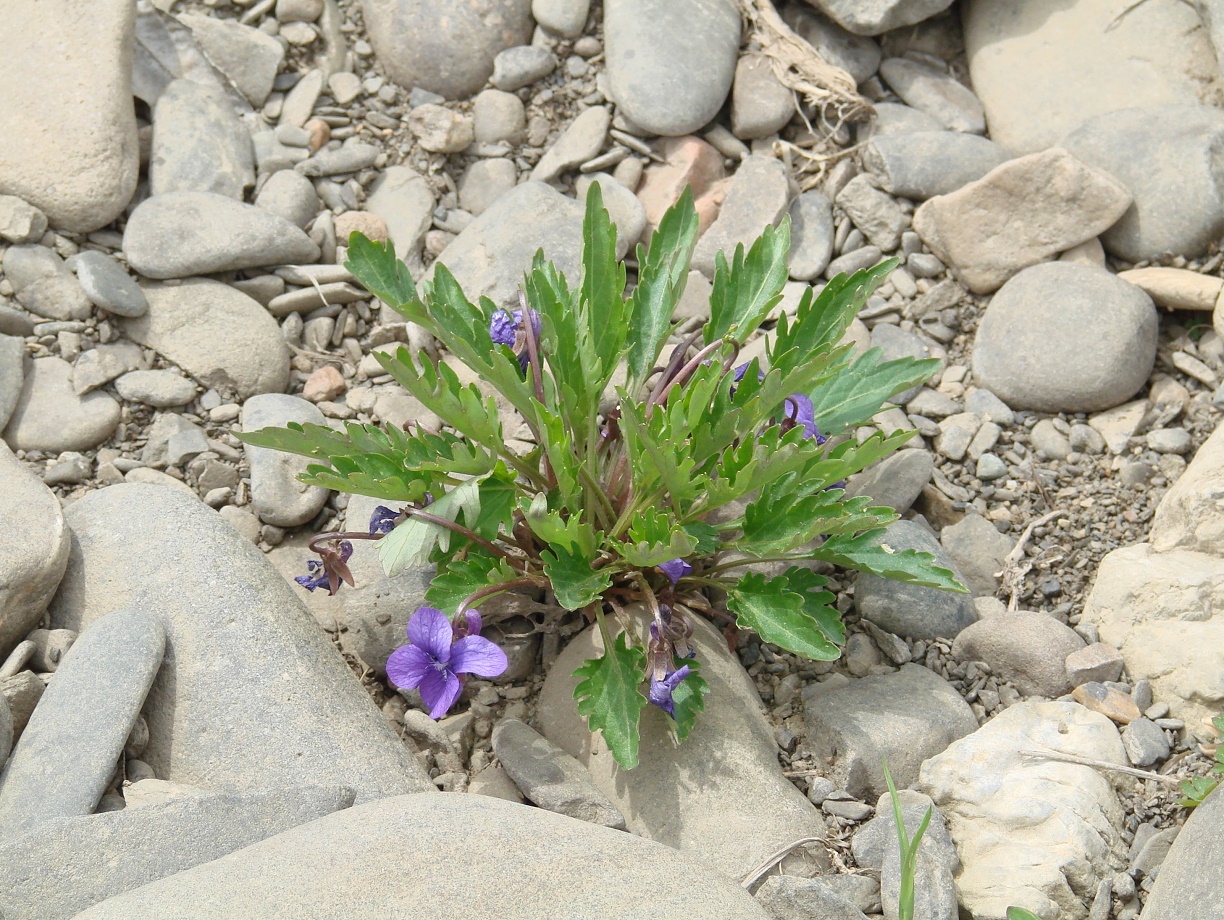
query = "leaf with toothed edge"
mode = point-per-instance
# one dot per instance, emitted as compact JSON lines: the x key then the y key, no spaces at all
{"x":609,"y":695}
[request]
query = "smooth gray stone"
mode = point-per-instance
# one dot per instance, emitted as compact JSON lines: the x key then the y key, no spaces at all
{"x":43,"y":284}
{"x":107,"y":284}
{"x":1171,"y":160}
{"x":922,"y":164}
{"x":278,"y":496}
{"x":1190,"y":885}
{"x":521,"y":66}
{"x":12,"y":375}
{"x":290,"y":195}
{"x":160,"y":389}
{"x":896,"y":343}
{"x":873,"y":17}
{"x":758,"y":197}
{"x":248,"y":57}
{"x":50,"y":416}
{"x":350,"y":158}
{"x":67,"y":753}
{"x":873,"y":212}
{"x":405,"y":202}
{"x":654,"y":48}
{"x":70,"y":864}
{"x":252,"y":695}
{"x":786,"y":897}
{"x":551,"y":778}
{"x":1145,"y":743}
{"x":812,"y":233}
{"x":858,"y":55}
{"x":906,"y":716}
{"x":935,"y":92}
{"x":199,"y":143}
{"x":897,"y":118}
{"x":534,"y":865}
{"x":979,"y":551}
{"x":180,"y":234}
{"x":1027,"y":649}
{"x":935,"y":867}
{"x":895,"y":482}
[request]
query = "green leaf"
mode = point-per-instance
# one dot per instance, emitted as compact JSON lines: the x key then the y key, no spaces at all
{"x":870,"y":552}
{"x":412,"y":541}
{"x":603,"y":285}
{"x":704,"y":535}
{"x":1020,"y":913}
{"x":573,"y":580}
{"x":817,"y":602}
{"x":776,"y":613}
{"x":857,"y":392}
{"x":609,"y":695}
{"x":457,"y":579}
{"x":572,"y":532}
{"x":655,"y":538}
{"x":376,"y":268}
{"x":750,"y":287}
{"x":662,"y":275}
{"x":689,"y":697}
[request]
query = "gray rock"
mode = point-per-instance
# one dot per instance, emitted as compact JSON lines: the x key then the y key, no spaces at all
{"x":581,"y":141}
{"x":484,"y":182}
{"x":923,"y":164}
{"x":521,"y":66}
{"x":895,"y":482}
{"x":248,"y":57}
{"x":76,"y":157}
{"x":252,"y":694}
{"x":6,"y":730}
{"x":897,"y":118}
{"x":911,"y":610}
{"x":906,"y":717}
{"x":12,"y":375}
{"x":195,"y":233}
{"x":1027,"y":649}
{"x":1048,"y":441}
{"x":499,"y":118}
{"x":653,"y":48}
{"x":70,"y":864}
{"x":491,"y":254}
{"x":858,"y":55}
{"x":894,"y":342}
{"x":941,"y":96}
{"x":1187,"y":886}
{"x":43,"y":284}
{"x":566,"y":18}
{"x":1145,"y":743}
{"x":444,"y":47}
{"x":33,"y":549}
{"x":220,"y":336}
{"x":1171,"y":160}
{"x":405,"y":202}
{"x":67,"y":753}
{"x":439,"y":129}
{"x":873,"y":212}
{"x":733,"y":807}
{"x":351,"y":158}
{"x":1066,"y":337}
{"x":20,"y":221}
{"x":786,"y":897}
{"x":160,"y":389}
{"x":1098,"y":662}
{"x":551,"y":778}
{"x":936,"y":865}
{"x":199,"y":144}
{"x":106,"y":283}
{"x":812,"y":233}
{"x":760,"y":104}
{"x":50,"y":416}
{"x":592,"y":871}
{"x":278,"y":496}
{"x":290,"y":195}
{"x":877,"y":16}
{"x":21,"y":692}
{"x":101,"y":365}
{"x":851,"y":262}
{"x":978,"y":550}
{"x":758,"y":197}
{"x":982,"y":402}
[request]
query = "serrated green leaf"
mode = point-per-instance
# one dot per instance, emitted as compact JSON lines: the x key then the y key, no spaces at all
{"x":705,"y":536}
{"x":657,"y":455}
{"x":609,"y":696}
{"x":776,"y":613}
{"x":1195,"y":790}
{"x":376,"y":268}
{"x":870,"y":552}
{"x":689,"y":697}
{"x":412,"y":541}
{"x":603,"y":286}
{"x":662,"y":275}
{"x":654,"y":537}
{"x":572,"y":532}
{"x":859,"y":391}
{"x":746,"y":290}
{"x":457,"y":579}
{"x":573,"y":580}
{"x":817,"y":602}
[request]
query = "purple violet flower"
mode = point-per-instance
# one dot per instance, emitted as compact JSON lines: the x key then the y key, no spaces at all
{"x":675,"y":569}
{"x":433,"y":659}
{"x":661,"y":689}
{"x":798,"y":410}
{"x":507,"y":329}
{"x":383,"y":520}
{"x":330,"y":570}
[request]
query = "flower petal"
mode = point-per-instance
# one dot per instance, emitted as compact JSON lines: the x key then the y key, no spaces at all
{"x":407,"y":666}
{"x":430,"y":630}
{"x":477,"y":655}
{"x":474,"y":622}
{"x":439,"y":690}
{"x":675,"y":569}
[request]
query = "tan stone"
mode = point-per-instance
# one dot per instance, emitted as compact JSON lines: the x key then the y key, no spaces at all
{"x":1107,"y":701}
{"x":690,"y":161}
{"x":323,"y":384}
{"x":1191,"y":515}
{"x":371,"y":225}
{"x":1176,"y":288}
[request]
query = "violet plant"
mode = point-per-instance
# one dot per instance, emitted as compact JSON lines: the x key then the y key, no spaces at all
{"x":661,"y":480}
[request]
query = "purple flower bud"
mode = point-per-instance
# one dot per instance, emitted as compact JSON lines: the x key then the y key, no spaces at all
{"x":330,"y":570}
{"x":383,"y":520}
{"x":661,"y":690}
{"x":675,"y":569}
{"x":502,"y":328}
{"x":507,"y":329}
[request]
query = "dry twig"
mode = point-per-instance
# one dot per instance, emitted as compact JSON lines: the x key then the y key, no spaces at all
{"x":1099,"y":765}
{"x":1013,"y":572}
{"x":754,"y":876}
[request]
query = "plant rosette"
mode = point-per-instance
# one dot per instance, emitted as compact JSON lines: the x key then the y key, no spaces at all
{"x":648,"y":478}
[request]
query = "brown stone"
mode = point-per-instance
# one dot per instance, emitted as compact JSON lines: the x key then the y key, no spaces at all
{"x":323,"y":384}
{"x":1108,"y":702}
{"x":690,"y":161}
{"x":369,"y":224}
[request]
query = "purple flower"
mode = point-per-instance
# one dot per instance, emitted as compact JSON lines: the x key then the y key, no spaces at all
{"x":503,"y":328}
{"x":661,"y":689}
{"x":507,"y":329}
{"x":433,"y":659}
{"x":798,"y":410}
{"x":383,"y":520}
{"x":330,"y":570}
{"x":675,"y":569}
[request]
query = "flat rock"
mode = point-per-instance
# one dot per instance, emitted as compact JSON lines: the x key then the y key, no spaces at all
{"x":912,"y":610}
{"x":6,"y":729}
{"x":906,"y":717}
{"x":67,"y":752}
{"x":549,"y":777}
{"x":101,"y":365}
{"x":873,"y":212}
{"x":20,"y":221}
{"x":76,"y":157}
{"x":787,"y":897}
{"x":761,"y":104}
{"x":252,"y":695}
{"x":1066,"y":337}
{"x":1189,"y":517}
{"x":857,"y":55}
{"x":1081,"y":60}
{"x":592,"y":871}
{"x":720,"y":795}
{"x":492,"y":253}
{"x":935,"y":92}
{"x":581,"y":141}
{"x":1171,"y":160}
{"x":520,"y":66}
{"x":248,"y":57}
{"x":1026,"y":211}
{"x":105,"y":282}
{"x":405,"y":202}
{"x":653,"y":48}
{"x":219,"y":335}
{"x":1061,"y":822}
{"x":199,"y":144}
{"x":180,"y":234}
{"x":1160,"y":609}
{"x":1188,"y":886}
{"x":978,"y":549}
{"x":160,"y":389}
{"x":758,"y":197}
{"x":290,"y":195}
{"x":1029,"y":650}
{"x":444,"y":46}
{"x":33,"y":550}
{"x":278,"y":496}
{"x":895,"y":482}
{"x":812,"y":232}
{"x":12,"y":375}
{"x":50,"y":416}
{"x":43,"y":284}
{"x":922,"y":164}
{"x":876,"y":16}
{"x":70,"y":864}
